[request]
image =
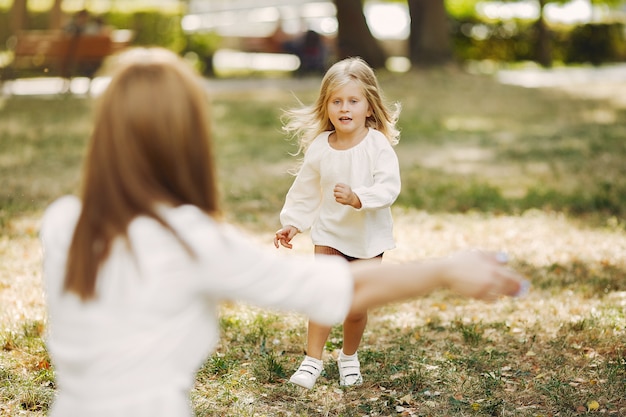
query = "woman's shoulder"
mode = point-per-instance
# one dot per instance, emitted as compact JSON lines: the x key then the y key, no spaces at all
{"x":190,"y":224}
{"x":63,"y":207}
{"x":188,"y":219}
{"x":64,"y":202}
{"x":196,"y":227}
{"x":182,"y":217}
{"x":61,"y":214}
{"x":186,"y":214}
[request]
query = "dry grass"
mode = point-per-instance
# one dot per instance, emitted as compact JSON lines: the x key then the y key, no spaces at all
{"x":550,"y":353}
{"x":558,"y":352}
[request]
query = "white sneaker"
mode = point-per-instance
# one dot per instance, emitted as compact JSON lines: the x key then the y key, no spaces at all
{"x":349,"y":370}
{"x":307,"y":372}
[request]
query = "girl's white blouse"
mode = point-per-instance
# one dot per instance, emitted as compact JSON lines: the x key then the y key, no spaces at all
{"x":133,"y":351}
{"x":372,"y":170}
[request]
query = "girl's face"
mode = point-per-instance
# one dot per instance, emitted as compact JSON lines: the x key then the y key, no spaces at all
{"x":348,"y":109}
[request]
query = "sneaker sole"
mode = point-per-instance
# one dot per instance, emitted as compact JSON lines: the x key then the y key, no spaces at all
{"x":359,"y":381}
{"x":301,"y":383}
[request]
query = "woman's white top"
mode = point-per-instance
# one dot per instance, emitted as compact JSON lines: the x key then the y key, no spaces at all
{"x":133,"y":351}
{"x":372,"y":170}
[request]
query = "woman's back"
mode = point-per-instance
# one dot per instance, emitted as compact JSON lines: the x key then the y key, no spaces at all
{"x":141,"y":338}
{"x":134,"y":348}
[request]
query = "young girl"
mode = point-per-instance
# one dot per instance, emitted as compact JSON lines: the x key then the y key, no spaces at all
{"x":347,"y":182}
{"x":135,"y":268}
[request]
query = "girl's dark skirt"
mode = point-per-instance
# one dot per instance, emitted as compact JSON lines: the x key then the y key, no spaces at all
{"x":327,"y":250}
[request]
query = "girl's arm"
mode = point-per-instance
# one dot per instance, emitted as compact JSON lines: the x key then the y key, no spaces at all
{"x":304,"y":196}
{"x":473,"y":274}
{"x":386,"y":187}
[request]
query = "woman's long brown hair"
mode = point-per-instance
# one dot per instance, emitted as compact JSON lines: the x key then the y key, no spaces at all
{"x":151,"y":144}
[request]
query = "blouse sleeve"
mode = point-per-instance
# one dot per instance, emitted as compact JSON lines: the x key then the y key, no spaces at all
{"x":231,"y":267}
{"x":386,"y":186}
{"x":303,"y":199}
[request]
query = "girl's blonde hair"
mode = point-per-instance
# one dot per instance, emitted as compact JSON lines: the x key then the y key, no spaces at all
{"x":307,"y":122}
{"x":151,"y":144}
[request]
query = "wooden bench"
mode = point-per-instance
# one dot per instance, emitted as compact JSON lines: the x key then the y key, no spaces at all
{"x":56,"y":53}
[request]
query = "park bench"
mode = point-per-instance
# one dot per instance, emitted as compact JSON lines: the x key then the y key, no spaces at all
{"x":56,"y":53}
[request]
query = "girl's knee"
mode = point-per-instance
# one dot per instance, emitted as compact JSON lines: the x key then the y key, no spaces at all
{"x":356,"y":317}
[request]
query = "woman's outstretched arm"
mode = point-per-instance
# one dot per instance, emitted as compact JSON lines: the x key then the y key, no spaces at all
{"x":473,"y":274}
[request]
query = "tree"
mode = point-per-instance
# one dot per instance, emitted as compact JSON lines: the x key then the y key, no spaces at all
{"x":19,"y":16}
{"x":354,"y":37}
{"x":56,"y":15}
{"x":543,"y":40}
{"x":429,"y":39}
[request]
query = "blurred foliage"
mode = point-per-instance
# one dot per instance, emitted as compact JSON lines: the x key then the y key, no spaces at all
{"x":596,"y":43}
{"x":473,"y":38}
{"x":200,"y":48}
{"x":461,"y":9}
{"x":515,"y":41}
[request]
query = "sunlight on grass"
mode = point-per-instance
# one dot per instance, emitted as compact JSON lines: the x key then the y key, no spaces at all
{"x":538,"y":173}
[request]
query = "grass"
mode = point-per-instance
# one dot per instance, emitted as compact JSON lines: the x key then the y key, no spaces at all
{"x":536,"y":172}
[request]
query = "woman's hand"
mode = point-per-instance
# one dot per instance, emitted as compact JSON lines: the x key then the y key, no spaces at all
{"x":482,"y":275}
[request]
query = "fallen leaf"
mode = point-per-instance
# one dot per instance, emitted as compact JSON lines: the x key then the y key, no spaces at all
{"x":407,"y":399}
{"x":592,"y":405}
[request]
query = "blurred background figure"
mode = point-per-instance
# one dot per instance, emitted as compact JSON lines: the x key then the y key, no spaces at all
{"x":312,"y":53}
{"x":79,"y":23}
{"x":310,"y":50}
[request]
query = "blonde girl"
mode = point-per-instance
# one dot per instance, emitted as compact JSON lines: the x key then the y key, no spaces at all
{"x":347,"y":182}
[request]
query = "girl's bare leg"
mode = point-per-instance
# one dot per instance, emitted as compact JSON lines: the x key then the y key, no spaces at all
{"x":316,"y":339}
{"x":353,"y":325}
{"x":353,"y":328}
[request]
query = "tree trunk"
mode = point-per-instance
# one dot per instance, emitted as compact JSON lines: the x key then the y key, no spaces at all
{"x":429,"y":41}
{"x":18,"y":16}
{"x":543,"y":40}
{"x":56,"y":15}
{"x":354,"y":37}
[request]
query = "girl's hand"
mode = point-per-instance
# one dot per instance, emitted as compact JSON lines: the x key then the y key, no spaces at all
{"x":285,"y":235}
{"x":344,"y":195}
